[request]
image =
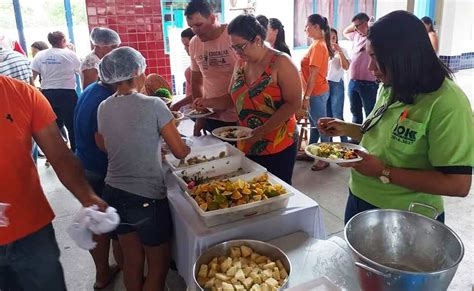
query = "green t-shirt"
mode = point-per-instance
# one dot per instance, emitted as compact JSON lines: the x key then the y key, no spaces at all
{"x":437,"y":133}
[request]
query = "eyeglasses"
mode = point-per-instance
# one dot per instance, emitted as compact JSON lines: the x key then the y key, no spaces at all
{"x":239,"y":48}
{"x":372,"y":121}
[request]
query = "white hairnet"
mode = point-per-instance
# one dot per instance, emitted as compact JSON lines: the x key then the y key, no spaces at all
{"x":101,"y":36}
{"x":121,"y":64}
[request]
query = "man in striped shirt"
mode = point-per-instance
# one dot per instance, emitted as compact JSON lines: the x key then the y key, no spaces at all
{"x":15,"y":65}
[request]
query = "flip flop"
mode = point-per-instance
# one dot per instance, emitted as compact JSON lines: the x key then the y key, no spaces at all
{"x":114,"y":270}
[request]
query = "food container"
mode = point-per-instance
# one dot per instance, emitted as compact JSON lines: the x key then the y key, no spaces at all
{"x":165,"y":150}
{"x":228,"y":215}
{"x":401,"y":250}
{"x":223,"y":249}
{"x":220,"y":169}
{"x":208,"y":151}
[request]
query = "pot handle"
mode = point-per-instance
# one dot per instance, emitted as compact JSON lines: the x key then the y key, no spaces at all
{"x":372,"y":270}
{"x":418,"y":204}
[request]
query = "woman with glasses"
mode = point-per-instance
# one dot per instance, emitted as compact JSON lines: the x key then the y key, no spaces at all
{"x":314,"y":68}
{"x":419,"y":136}
{"x":266,"y":92}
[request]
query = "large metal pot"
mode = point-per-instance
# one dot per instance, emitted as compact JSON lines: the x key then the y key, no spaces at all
{"x":401,"y":250}
{"x":223,"y":249}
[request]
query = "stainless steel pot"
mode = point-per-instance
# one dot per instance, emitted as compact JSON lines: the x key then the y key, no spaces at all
{"x":223,"y":249}
{"x":401,"y":250}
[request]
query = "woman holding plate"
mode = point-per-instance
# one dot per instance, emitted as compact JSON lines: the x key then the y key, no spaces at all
{"x":266,"y":92}
{"x":419,"y":135}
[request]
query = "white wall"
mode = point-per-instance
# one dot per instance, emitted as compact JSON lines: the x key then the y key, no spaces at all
{"x":386,"y":6}
{"x":456,"y":32}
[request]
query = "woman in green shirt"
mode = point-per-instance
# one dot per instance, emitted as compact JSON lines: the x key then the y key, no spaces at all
{"x":420,"y":135}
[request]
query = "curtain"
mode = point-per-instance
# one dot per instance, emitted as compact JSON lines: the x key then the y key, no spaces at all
{"x":303,"y":9}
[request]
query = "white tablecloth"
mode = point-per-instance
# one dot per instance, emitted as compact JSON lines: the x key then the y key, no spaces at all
{"x":192,"y":236}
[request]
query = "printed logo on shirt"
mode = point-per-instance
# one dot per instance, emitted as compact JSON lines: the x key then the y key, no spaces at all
{"x":51,"y":60}
{"x":404,"y":134}
{"x":215,"y":59}
{"x":9,"y":117}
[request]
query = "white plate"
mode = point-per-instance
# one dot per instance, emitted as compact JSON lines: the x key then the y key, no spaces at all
{"x":218,"y":131}
{"x":337,"y":161}
{"x":190,"y":114}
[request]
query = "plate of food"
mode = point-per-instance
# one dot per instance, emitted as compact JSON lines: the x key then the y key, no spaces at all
{"x":334,"y":152}
{"x":194,"y":113}
{"x":178,"y":116}
{"x":232,"y":133}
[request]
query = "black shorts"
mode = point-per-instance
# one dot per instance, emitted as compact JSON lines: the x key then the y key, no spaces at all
{"x":150,"y":218}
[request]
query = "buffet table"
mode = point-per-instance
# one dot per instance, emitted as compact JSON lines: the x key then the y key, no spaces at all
{"x":192,"y":236}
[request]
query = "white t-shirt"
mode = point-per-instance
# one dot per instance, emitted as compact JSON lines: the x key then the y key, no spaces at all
{"x":91,"y":61}
{"x":57,"y":67}
{"x":335,"y":70}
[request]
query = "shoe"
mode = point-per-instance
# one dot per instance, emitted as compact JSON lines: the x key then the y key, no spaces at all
{"x":302,"y":156}
{"x":319,"y":166}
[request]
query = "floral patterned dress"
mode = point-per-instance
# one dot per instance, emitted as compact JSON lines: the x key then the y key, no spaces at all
{"x":255,"y":105}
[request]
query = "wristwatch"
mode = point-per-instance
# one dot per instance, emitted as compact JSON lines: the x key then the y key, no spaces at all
{"x":385,"y":177}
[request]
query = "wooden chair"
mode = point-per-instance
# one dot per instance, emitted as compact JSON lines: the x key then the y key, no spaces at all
{"x":303,"y":121}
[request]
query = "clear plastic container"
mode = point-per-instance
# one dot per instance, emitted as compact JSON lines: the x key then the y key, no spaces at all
{"x":225,"y":168}
{"x":227,"y":215}
{"x":207,"y":151}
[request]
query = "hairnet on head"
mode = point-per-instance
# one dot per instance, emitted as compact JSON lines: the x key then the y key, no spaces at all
{"x":121,"y":64}
{"x":101,"y":36}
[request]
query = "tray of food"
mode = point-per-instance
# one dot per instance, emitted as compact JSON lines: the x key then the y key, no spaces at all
{"x":228,"y":200}
{"x":334,"y":152}
{"x":232,"y":133}
{"x":219,"y":169}
{"x":201,"y":155}
{"x":242,"y":265}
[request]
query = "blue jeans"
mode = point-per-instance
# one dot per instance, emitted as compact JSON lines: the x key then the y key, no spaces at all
{"x":362,"y":94}
{"x":317,"y":109}
{"x":32,"y":263}
{"x":336,"y":102}
{"x":356,"y":205}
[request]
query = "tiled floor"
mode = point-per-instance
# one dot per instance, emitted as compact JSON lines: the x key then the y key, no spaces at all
{"x":328,"y":188}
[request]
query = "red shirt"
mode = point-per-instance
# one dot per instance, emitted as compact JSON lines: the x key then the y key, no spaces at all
{"x":23,"y":111}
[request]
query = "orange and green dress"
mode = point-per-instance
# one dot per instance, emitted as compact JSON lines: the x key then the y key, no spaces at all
{"x":255,"y":105}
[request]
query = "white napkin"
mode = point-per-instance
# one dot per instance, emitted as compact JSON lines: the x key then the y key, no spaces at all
{"x":4,"y":222}
{"x":90,"y":220}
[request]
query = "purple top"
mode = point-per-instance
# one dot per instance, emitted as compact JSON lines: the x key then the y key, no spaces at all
{"x":359,"y":67}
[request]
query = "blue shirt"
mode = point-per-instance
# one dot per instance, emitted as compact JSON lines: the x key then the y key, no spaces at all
{"x":85,"y":126}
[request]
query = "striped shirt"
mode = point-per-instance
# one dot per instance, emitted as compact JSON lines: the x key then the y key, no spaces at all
{"x":15,"y":65}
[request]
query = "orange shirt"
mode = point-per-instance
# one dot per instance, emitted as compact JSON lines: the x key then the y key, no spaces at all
{"x":23,"y":111}
{"x":317,"y":56}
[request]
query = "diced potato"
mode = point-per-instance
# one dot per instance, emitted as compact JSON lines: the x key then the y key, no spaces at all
{"x":254,"y":256}
{"x":247,"y":271}
{"x":245,"y":251}
{"x":272,"y":282}
{"x":203,"y":271}
{"x":253,"y":265}
{"x":221,"y":259}
{"x":261,"y":259}
{"x":283,"y":274}
{"x":209,"y":283}
{"x":248,"y":282}
{"x":234,"y":281}
{"x":267,"y":274}
{"x":276,"y":274}
{"x":214,"y":266}
{"x":227,"y":287}
{"x":269,"y":266}
{"x":279,"y":265}
{"x":225,"y":265}
{"x":265,"y":287}
{"x":202,"y":281}
{"x":222,"y":277}
{"x":239,"y":287}
{"x":237,"y":264}
{"x":231,"y":271}
{"x":256,"y":287}
{"x":211,"y":274}
{"x":218,"y":283}
{"x":235,"y":252}
{"x":240,"y":275}
{"x":255,"y":277}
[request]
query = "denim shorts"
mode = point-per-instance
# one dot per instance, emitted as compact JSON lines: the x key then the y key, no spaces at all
{"x":150,"y":218}
{"x":32,"y":263}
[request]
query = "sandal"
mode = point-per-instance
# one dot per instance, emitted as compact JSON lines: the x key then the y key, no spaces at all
{"x":114,"y":270}
{"x":319,"y":166}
